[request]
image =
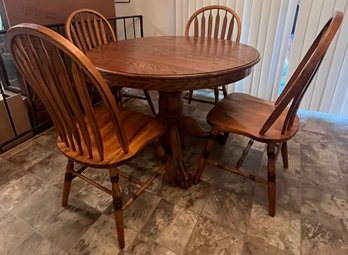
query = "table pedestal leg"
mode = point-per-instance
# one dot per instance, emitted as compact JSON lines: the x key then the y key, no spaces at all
{"x":176,"y":126}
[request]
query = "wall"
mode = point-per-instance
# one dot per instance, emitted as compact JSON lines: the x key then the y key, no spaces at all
{"x":46,"y":12}
{"x":159,"y":16}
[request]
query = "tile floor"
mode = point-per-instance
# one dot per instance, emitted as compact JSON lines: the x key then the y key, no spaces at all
{"x":224,"y":214}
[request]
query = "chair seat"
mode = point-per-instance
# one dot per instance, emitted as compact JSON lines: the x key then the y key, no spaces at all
{"x":140,"y":130}
{"x":245,"y":114}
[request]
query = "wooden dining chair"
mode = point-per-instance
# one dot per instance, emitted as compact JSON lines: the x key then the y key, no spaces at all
{"x":272,"y":123}
{"x":88,"y":29}
{"x":218,"y":22}
{"x":98,"y":136}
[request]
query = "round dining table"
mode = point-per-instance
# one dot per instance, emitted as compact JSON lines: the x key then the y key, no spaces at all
{"x":171,"y":65}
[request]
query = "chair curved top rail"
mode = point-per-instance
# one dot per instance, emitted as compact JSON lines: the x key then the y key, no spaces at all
{"x":57,"y":71}
{"x":88,"y":29}
{"x":213,"y":29}
{"x":303,"y":75}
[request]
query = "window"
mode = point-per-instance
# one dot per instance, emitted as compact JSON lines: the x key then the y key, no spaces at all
{"x":286,"y":64}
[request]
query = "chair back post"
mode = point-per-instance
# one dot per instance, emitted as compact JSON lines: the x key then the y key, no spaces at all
{"x":57,"y":71}
{"x":300,"y":80}
{"x":88,"y":29}
{"x":212,"y":28}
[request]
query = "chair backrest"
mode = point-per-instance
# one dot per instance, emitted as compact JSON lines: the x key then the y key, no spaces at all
{"x":303,"y":75}
{"x":88,"y":29}
{"x":215,"y":21}
{"x":57,"y":71}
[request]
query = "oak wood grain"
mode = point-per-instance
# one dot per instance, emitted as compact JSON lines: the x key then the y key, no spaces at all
{"x":99,"y":136}
{"x":170,"y":65}
{"x":174,"y":63}
{"x":273,"y":123}
{"x":220,"y":20}
{"x":88,"y":29}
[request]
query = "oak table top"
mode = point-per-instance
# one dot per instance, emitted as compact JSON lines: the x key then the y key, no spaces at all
{"x":158,"y":63}
{"x":170,"y":65}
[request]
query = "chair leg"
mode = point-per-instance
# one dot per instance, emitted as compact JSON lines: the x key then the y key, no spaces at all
{"x":205,"y":156}
{"x":190,"y":95}
{"x":222,"y":138}
{"x":285,"y":155}
{"x":117,"y":202}
{"x":149,"y":101}
{"x":118,"y":96}
{"x":216,"y":93}
{"x":67,"y":182}
{"x":224,"y":90}
{"x":271,"y":179}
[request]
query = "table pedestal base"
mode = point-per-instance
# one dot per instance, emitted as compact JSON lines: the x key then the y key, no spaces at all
{"x":176,"y":127}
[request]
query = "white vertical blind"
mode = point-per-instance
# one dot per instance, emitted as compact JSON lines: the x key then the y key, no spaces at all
{"x":266,"y":25}
{"x":328,"y":91}
{"x":263,"y":21}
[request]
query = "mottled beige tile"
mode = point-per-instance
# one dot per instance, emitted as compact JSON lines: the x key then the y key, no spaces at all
{"x":208,"y":237}
{"x":294,"y":159}
{"x":314,"y":156}
{"x":170,"y":225}
{"x":313,"y":176}
{"x":229,"y":156}
{"x":299,"y":135}
{"x":144,"y":166}
{"x":50,"y":167}
{"x":231,"y":207}
{"x":321,"y":141}
{"x":317,"y":122}
{"x":9,"y":171}
{"x":287,"y":197}
{"x":342,"y":204}
{"x":315,"y":185}
{"x":288,"y":186}
{"x":19,"y":147}
{"x":226,"y":180}
{"x":62,"y":226}
{"x":37,"y":245}
{"x":319,"y":239}
{"x":341,"y":144}
{"x":142,"y":245}
{"x":91,"y":195}
{"x":282,"y":231}
{"x":137,"y":214}
{"x":345,"y":181}
{"x":323,"y":207}
{"x":230,"y":153}
{"x":48,"y":138}
{"x":101,"y":238}
{"x":193,"y":198}
{"x":28,"y":155}
{"x":255,"y":246}
{"x":12,"y":232}
{"x":8,"y":167}
{"x":343,"y":162}
{"x":145,"y":163}
{"x":16,"y":191}
{"x":294,"y":152}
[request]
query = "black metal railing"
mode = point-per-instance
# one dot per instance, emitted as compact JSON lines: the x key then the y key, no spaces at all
{"x":128,"y":22}
{"x":126,"y":27}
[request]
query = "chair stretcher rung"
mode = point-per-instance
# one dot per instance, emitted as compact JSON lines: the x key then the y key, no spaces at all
{"x":131,"y":178}
{"x":239,"y":172}
{"x":141,"y":189}
{"x":90,"y":181}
